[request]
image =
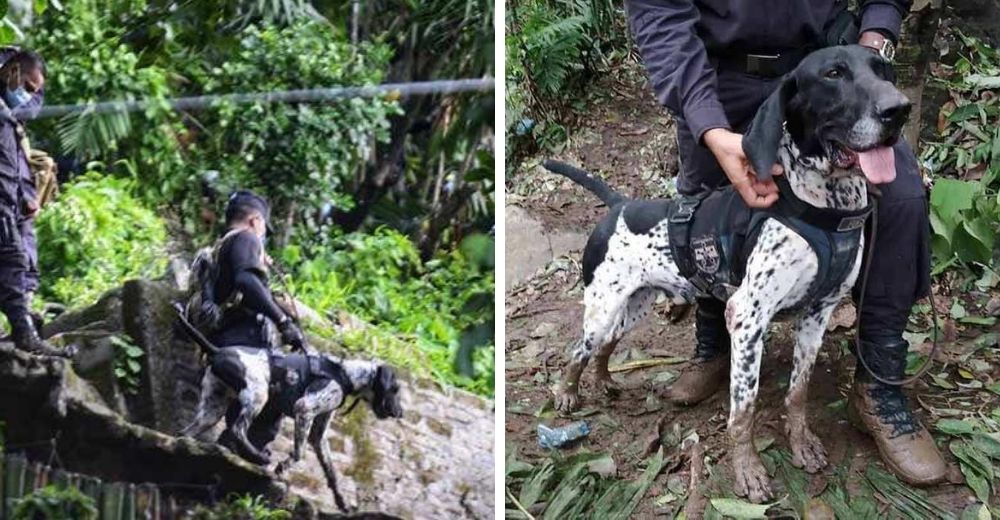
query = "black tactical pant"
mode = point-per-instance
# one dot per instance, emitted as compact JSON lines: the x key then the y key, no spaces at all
{"x":13,"y":260}
{"x":900,"y":270}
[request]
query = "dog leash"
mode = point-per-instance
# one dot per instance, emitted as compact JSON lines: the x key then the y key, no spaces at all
{"x":861,"y":299}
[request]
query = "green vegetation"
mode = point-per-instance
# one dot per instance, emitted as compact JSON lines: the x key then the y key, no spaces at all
{"x":402,"y":186}
{"x":964,"y":160}
{"x":555,"y":48}
{"x":55,"y":503}
{"x":126,"y":364}
{"x":380,"y":278}
{"x":94,"y":236}
{"x":579,"y":486}
{"x":243,"y":507}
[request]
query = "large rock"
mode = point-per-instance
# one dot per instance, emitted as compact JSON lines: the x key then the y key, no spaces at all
{"x":436,"y":462}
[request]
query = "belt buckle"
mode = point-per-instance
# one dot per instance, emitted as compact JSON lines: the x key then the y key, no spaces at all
{"x":756,"y":62}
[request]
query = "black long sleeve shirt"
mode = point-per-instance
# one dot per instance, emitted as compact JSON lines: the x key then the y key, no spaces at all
{"x":676,"y":37}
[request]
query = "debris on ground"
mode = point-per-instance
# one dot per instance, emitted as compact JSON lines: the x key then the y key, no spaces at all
{"x":555,"y":437}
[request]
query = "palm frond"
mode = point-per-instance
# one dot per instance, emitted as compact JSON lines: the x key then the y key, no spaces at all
{"x":88,"y":134}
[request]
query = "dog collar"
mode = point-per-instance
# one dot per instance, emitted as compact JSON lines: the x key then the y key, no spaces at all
{"x":835,"y":220}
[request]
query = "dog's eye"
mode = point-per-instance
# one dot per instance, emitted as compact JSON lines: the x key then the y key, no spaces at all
{"x":833,"y":74}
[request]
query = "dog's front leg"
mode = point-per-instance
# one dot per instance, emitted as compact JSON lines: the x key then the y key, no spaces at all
{"x":779,"y":272}
{"x":807,"y":449}
{"x":322,"y":449}
{"x":747,"y":333}
{"x":320,"y":398}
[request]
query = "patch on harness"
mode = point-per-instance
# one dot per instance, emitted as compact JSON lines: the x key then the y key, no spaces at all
{"x":851,"y":223}
{"x":706,"y":255}
{"x":292,"y":377}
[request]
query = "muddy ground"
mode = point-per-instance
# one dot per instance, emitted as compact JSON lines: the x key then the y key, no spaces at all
{"x":626,"y":138}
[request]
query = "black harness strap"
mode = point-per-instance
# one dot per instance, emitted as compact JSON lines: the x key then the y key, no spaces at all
{"x":713,"y":233}
{"x":292,"y":374}
{"x":834,"y":220}
{"x":679,"y":230}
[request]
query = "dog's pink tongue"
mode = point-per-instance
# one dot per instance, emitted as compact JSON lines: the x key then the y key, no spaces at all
{"x":879,"y":164}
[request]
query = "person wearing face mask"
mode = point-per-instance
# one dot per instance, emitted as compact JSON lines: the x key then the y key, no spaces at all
{"x":23,"y":76}
{"x":25,"y":95}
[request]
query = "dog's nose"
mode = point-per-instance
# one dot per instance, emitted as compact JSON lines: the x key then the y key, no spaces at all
{"x":896,"y":114}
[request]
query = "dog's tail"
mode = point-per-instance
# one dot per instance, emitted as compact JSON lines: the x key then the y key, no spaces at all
{"x":587,"y":180}
{"x":195,"y":335}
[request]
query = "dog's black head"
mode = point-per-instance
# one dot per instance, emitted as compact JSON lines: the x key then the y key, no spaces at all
{"x":839,"y":103}
{"x":385,"y":394}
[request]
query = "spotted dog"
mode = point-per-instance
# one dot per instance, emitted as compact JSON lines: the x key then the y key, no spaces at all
{"x":830,"y":125}
{"x":270,"y":385}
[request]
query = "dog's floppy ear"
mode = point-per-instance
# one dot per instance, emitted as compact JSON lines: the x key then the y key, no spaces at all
{"x":760,"y":143}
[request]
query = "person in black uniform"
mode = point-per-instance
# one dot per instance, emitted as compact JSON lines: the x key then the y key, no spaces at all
{"x":249,"y":308}
{"x":242,"y":280}
{"x":22,"y":76}
{"x":712,"y":63}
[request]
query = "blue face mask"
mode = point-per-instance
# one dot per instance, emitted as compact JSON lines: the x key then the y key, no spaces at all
{"x":16,"y":97}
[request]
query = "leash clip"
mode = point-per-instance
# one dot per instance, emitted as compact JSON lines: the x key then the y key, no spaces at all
{"x":685,"y":210}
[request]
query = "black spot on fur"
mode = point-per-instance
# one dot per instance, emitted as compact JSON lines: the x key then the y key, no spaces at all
{"x":597,"y":244}
{"x":641,"y":216}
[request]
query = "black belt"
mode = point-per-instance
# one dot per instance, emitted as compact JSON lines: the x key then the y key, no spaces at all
{"x":765,"y":65}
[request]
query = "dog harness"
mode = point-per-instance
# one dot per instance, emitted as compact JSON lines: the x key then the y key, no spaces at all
{"x":713,"y":233}
{"x":291,"y":375}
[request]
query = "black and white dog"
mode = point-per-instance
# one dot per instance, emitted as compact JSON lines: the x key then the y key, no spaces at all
{"x":830,"y":125}
{"x":269,"y":385}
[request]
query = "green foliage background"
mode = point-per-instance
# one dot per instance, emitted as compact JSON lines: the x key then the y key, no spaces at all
{"x":95,"y":235}
{"x":405,"y":182}
{"x":554,"y":49}
{"x":963,"y":158}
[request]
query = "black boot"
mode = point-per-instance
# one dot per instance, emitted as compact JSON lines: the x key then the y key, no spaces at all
{"x":26,"y":338}
{"x":883,"y":412}
{"x":710,"y":366}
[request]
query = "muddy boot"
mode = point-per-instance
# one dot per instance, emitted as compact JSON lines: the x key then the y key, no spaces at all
{"x":26,"y":338}
{"x":882,"y":411}
{"x":710,"y":367}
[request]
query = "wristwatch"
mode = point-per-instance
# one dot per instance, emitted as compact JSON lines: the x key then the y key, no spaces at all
{"x":879,"y":44}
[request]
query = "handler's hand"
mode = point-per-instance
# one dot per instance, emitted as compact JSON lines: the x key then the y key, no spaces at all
{"x":728,"y":150}
{"x":31,"y":208}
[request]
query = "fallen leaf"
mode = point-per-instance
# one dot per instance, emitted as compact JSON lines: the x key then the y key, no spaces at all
{"x":642,"y":130}
{"x":993,"y":306}
{"x":817,"y":509}
{"x":942,"y":382}
{"x":976,"y":512}
{"x":544,"y":329}
{"x":762,"y":443}
{"x":740,"y":509}
{"x":957,"y":310}
{"x":953,"y":426}
{"x":603,"y":466}
{"x":843,"y":317}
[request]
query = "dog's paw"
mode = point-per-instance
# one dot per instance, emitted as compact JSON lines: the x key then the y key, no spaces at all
{"x":751,"y":480}
{"x":808,"y":452}
{"x":567,"y":401}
